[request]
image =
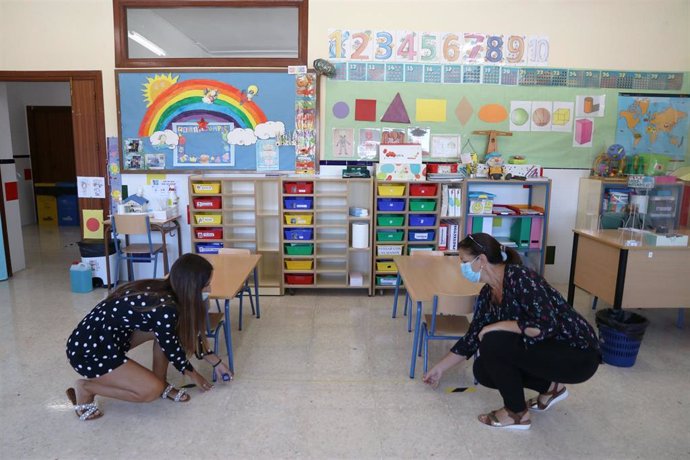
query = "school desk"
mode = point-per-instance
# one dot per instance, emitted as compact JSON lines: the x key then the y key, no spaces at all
{"x":626,"y":276}
{"x":425,"y":277}
{"x":163,"y":226}
{"x":229,"y":274}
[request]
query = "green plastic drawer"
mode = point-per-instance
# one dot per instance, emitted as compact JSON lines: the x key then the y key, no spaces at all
{"x":386,"y":280}
{"x":423,"y":205}
{"x":390,"y":220}
{"x":296,"y":249}
{"x":388,"y":235}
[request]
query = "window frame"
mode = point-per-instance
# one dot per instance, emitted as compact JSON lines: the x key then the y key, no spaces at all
{"x":122,"y":59}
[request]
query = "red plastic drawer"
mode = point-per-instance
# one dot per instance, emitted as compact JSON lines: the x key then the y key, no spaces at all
{"x":442,"y":168}
{"x":304,"y":188}
{"x":299,"y":279}
{"x":210,"y":202}
{"x":208,"y":233}
{"x":422,"y":189}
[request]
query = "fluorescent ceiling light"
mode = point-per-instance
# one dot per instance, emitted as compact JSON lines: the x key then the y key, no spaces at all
{"x":146,"y":43}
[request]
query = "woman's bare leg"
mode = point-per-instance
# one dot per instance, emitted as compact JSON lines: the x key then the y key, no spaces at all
{"x":160,"y":361}
{"x":128,"y":382}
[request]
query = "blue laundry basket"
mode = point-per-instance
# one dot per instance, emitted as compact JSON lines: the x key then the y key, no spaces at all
{"x":620,"y":336}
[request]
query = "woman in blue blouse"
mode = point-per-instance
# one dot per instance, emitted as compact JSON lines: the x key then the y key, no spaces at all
{"x":526,"y":333}
{"x":171,"y":312}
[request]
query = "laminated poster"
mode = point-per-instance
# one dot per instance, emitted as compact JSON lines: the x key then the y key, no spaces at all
{"x":562,"y":117}
{"x":541,"y":115}
{"x":583,"y":134}
{"x":267,"y":155}
{"x":520,"y":114}
{"x":343,"y":142}
{"x":590,"y":106}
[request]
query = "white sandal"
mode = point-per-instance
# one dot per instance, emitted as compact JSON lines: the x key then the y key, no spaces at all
{"x":85,"y":412}
{"x":179,"y":397}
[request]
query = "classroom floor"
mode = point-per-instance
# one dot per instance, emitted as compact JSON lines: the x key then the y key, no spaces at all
{"x":318,"y":376}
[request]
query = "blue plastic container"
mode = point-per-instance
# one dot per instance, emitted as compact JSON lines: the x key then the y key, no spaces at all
{"x":299,"y":233}
{"x":422,"y":220}
{"x":617,"y":349}
{"x":80,"y":278}
{"x":299,"y":203}
{"x":68,"y":210}
{"x":426,"y":235}
{"x":390,"y":204}
{"x":208,"y":248}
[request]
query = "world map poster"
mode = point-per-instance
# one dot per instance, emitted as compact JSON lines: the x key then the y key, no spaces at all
{"x":654,"y":124}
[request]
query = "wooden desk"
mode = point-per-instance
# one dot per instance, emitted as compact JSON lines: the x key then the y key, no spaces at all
{"x":229,"y":273}
{"x":165,"y":226}
{"x":629,"y":276}
{"x":425,"y":277}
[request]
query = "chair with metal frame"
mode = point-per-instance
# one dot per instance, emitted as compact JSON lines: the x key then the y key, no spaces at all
{"x":408,"y":302}
{"x":448,"y":321}
{"x":245,"y":289}
{"x":215,"y":322}
{"x":134,"y":224}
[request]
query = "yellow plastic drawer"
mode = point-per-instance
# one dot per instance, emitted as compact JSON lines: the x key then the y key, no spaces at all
{"x":298,"y":219}
{"x":391,"y":190}
{"x":207,"y":188}
{"x":208,"y":219}
{"x":298,"y":264}
{"x":386,"y":267}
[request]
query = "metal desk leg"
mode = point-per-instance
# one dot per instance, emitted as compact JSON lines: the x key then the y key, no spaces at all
{"x":228,"y":336}
{"x":395,"y":296}
{"x":415,"y":339}
{"x":256,"y":291}
{"x":165,"y":251}
{"x":680,"y":321}
{"x":106,"y":242}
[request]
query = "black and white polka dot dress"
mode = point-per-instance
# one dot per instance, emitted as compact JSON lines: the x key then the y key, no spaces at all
{"x":101,"y":340}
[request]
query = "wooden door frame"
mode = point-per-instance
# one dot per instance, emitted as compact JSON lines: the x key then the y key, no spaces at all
{"x":89,"y":160}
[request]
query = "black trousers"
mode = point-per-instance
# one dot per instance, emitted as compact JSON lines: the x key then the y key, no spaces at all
{"x":505,"y":364}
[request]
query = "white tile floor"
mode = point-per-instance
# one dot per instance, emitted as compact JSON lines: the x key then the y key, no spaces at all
{"x":318,"y":376}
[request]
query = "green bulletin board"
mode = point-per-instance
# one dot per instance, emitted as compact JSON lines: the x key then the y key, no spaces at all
{"x":548,"y":149}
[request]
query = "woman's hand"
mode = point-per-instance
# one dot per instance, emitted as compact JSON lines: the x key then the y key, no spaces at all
{"x":433,"y":377}
{"x":222,"y":370}
{"x":200,"y":381}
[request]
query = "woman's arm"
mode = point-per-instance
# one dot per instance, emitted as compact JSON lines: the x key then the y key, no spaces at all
{"x":433,"y":377}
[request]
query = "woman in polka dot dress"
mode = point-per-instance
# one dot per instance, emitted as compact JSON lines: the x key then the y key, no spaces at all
{"x":171,"y":312}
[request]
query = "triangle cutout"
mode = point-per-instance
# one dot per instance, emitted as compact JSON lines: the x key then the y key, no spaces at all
{"x":396,"y":111}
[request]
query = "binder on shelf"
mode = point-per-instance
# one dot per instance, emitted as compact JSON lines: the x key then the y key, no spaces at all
{"x":444,"y":200}
{"x":453,"y":235}
{"x":535,"y":232}
{"x":488,"y":225}
{"x":477,"y":224}
{"x":520,"y":232}
{"x":443,"y":236}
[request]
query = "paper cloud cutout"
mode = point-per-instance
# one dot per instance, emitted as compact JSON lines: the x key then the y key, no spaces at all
{"x":269,"y":129}
{"x":241,"y":136}
{"x":166,"y":138}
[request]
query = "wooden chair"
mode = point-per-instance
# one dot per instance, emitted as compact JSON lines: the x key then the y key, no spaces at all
{"x":246,"y":289}
{"x":448,"y":321}
{"x":134,"y":224}
{"x":408,"y":301}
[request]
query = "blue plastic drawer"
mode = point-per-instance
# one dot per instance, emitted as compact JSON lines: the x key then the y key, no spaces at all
{"x":299,"y":203}
{"x":208,"y":248}
{"x":425,"y":235}
{"x":390,"y":204}
{"x":299,"y":233}
{"x":422,"y":220}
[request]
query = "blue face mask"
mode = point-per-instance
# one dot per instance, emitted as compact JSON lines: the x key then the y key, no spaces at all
{"x":468,"y":273}
{"x":204,"y":296}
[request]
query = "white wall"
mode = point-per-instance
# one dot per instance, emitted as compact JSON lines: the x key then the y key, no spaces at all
{"x":19,"y":96}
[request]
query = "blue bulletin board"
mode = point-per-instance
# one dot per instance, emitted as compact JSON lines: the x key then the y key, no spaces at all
{"x":212,"y":120}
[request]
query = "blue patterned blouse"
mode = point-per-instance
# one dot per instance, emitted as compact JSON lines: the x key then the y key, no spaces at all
{"x":532,"y":302}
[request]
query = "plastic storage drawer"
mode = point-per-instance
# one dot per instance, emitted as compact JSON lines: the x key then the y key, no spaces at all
{"x":426,"y":235}
{"x":423,"y":189}
{"x":299,"y":264}
{"x":386,"y":266}
{"x":412,"y":249}
{"x":390,"y":204}
{"x":298,"y":219}
{"x":211,"y":202}
{"x":206,"y":219}
{"x":422,"y":220}
{"x":298,"y":233}
{"x":299,"y":279}
{"x":207,"y":188}
{"x":391,"y":190}
{"x":389,"y":250}
{"x":298,"y":188}
{"x":297,"y":249}
{"x":299,"y":203}
{"x":423,"y":205}
{"x":390,"y":220}
{"x":386,"y":280}
{"x":208,"y":233}
{"x":389,"y":235}
{"x":208,"y":248}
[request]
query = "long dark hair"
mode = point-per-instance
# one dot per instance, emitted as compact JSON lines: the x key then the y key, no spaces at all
{"x":483,"y":243}
{"x":188,"y":277}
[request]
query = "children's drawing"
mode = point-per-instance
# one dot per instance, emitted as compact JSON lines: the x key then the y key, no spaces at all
{"x":343,"y":142}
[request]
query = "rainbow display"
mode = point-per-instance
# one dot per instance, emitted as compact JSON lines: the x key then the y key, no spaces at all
{"x":185,"y":100}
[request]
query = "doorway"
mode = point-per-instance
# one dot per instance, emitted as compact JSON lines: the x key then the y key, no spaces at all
{"x":87,"y":134}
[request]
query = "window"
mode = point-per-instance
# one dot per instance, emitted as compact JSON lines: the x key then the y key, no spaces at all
{"x":210,"y":33}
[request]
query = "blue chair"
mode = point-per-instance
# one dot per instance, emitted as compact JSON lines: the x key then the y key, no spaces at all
{"x":408,"y":302}
{"x":448,"y":321}
{"x":134,"y":224}
{"x":246,"y":289}
{"x":215,"y":323}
